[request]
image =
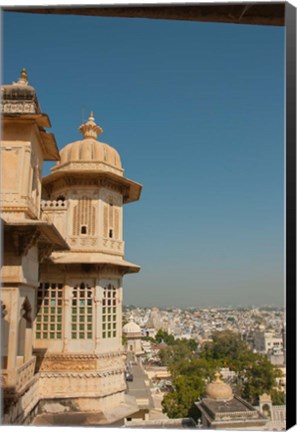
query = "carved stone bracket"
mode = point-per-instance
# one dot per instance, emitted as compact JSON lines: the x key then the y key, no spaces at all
{"x":44,"y":250}
{"x":24,"y":239}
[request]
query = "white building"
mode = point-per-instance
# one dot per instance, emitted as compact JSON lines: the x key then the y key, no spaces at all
{"x":265,"y":342}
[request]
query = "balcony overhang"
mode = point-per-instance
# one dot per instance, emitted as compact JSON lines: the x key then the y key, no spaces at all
{"x":27,"y":233}
{"x":130,"y":189}
{"x":75,"y":258}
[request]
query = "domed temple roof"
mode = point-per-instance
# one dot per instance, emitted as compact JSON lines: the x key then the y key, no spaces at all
{"x":219,"y":390}
{"x":90,"y":160}
{"x":131,"y":327}
{"x":89,"y":149}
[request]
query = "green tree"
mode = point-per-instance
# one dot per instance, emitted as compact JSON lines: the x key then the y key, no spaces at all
{"x":175,"y":354}
{"x":186,"y":391}
{"x":278,"y":397}
{"x":257,"y":378}
{"x":255,"y":374}
{"x":163,"y":336}
{"x":227,"y":347}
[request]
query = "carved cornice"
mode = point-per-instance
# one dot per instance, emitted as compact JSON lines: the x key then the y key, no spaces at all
{"x":84,"y":375}
{"x":79,"y":356}
{"x":12,"y":107}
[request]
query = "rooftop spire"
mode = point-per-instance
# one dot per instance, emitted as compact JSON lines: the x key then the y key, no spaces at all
{"x":90,"y":129}
{"x":23,"y":78}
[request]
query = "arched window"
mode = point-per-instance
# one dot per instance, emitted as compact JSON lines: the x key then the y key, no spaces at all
{"x":24,"y":331}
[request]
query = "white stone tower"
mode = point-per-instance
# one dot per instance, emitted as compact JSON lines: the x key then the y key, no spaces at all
{"x":78,"y":326}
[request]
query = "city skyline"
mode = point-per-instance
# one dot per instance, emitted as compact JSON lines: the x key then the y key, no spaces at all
{"x":196,"y":111}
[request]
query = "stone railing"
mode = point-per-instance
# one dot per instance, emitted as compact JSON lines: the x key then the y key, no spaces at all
{"x":53,"y":205}
{"x":16,"y":379}
{"x":25,"y":373}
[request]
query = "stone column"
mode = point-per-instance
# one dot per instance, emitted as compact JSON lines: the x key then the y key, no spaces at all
{"x":66,"y":316}
{"x":14,"y":317}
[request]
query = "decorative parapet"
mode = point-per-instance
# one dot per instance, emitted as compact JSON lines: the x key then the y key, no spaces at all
{"x":112,"y":246}
{"x":236,"y":415}
{"x":54,"y":205}
{"x":17,"y":107}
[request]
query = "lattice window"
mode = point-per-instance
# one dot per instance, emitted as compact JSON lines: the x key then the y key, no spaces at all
{"x":82,"y":312}
{"x":109,"y":312}
{"x":49,"y":311}
{"x":84,"y":214}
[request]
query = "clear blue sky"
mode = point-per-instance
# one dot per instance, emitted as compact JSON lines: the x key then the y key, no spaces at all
{"x":196,"y":111}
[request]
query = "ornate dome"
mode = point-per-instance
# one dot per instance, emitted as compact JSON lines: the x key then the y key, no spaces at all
{"x":219,"y":390}
{"x":131,"y":327}
{"x":89,"y":149}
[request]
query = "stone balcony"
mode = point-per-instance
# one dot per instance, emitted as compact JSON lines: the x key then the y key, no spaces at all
{"x":15,"y":380}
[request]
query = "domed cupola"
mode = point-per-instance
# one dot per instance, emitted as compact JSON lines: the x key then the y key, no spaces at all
{"x":219,"y":390}
{"x":131,"y":328}
{"x":89,"y":153}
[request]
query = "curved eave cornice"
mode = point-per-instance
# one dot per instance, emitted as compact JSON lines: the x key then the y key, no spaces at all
{"x":75,"y":258}
{"x":130,"y":190}
{"x":87,"y":165}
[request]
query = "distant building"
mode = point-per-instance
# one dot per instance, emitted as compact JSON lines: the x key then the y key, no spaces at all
{"x":265,"y":342}
{"x":132,"y":332}
{"x":221,"y":409}
{"x":276,"y":414}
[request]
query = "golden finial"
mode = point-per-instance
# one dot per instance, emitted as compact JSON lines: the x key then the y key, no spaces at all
{"x":23,"y":78}
{"x":24,"y":74}
{"x":91,"y":116}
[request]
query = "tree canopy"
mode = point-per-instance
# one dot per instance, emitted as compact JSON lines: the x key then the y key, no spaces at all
{"x":191,"y":372}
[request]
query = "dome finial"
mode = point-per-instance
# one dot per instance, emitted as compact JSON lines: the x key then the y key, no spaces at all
{"x":23,"y":78}
{"x":90,"y":129}
{"x":219,"y":390}
{"x":218,"y":376}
